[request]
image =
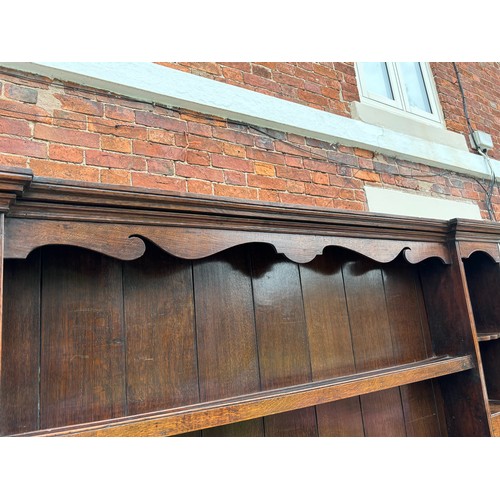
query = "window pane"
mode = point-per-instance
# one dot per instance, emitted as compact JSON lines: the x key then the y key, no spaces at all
{"x":415,"y":86}
{"x":376,"y":78}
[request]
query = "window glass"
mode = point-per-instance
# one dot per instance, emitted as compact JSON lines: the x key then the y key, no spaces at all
{"x":377,"y":78}
{"x":413,"y":81}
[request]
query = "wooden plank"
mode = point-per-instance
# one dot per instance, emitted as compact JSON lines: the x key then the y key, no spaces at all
{"x":486,"y":336}
{"x":225,"y":324}
{"x":451,"y":323}
{"x":330,"y":340}
{"x":283,"y":349}
{"x":20,"y":346}
{"x":411,"y":341}
{"x":203,"y":415}
{"x":82,"y":371}
{"x":372,"y":344}
{"x":160,"y":332}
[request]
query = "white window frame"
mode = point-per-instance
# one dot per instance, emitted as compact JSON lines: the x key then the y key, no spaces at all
{"x":400,"y":105}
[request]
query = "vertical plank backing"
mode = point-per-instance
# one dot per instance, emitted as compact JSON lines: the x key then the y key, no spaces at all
{"x":411,"y":342}
{"x":483,"y":282}
{"x":225,"y":323}
{"x":372,"y":343}
{"x":160,"y":332}
{"x":282,"y":339}
{"x":82,"y":370}
{"x":330,"y":340}
{"x":451,"y":324}
{"x":21,"y":346}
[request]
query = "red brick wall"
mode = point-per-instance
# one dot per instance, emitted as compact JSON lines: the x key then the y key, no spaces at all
{"x":332,"y":86}
{"x":73,"y":132}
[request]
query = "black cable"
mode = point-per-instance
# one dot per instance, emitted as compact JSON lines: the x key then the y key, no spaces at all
{"x":94,"y":92}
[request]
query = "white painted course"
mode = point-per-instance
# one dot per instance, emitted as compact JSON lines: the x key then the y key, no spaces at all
{"x":158,"y":84}
{"x":390,"y":201}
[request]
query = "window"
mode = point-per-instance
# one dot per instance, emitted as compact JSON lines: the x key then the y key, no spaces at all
{"x":405,"y":87}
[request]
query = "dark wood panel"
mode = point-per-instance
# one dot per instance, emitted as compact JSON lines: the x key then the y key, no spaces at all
{"x":330,"y":340}
{"x":160,"y":332}
{"x":242,"y":408}
{"x":82,"y":370}
{"x":283,"y":349}
{"x":227,"y":344}
{"x":372,"y":344}
{"x":490,"y":355}
{"x":483,"y":281}
{"x":450,"y":322}
{"x":20,"y":346}
{"x":411,"y":342}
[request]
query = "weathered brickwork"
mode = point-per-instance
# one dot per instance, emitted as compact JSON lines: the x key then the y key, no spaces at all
{"x":72,"y":132}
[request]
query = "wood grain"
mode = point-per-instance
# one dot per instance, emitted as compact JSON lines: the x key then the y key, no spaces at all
{"x":211,"y":414}
{"x":160,"y":333}
{"x":21,"y":346}
{"x":411,"y":342}
{"x":227,"y":344}
{"x":372,"y":345}
{"x":330,"y":340}
{"x":283,"y":348}
{"x":82,"y":372}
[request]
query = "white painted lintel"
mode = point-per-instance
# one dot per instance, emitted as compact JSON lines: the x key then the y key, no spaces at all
{"x":158,"y":84}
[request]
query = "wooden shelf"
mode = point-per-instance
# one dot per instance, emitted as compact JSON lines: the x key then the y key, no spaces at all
{"x":221,"y":412}
{"x":495,"y":416}
{"x":485,"y":336}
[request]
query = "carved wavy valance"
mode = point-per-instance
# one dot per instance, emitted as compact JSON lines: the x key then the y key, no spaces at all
{"x":126,"y":242}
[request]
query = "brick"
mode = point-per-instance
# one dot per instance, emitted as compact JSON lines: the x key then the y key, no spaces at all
{"x":234,"y":136}
{"x":199,"y":129}
{"x":319,"y":190}
{"x":234,"y":150}
{"x":235,"y":192}
{"x":297,"y":199}
{"x":114,"y":176}
{"x":16,"y":109}
{"x":114,"y":160}
{"x":65,"y":153}
{"x":14,"y":161}
{"x":159,"y":151}
{"x":320,"y":178}
{"x":267,"y":195}
{"x":259,"y":82}
{"x":80,"y":105}
{"x":104,"y":126}
{"x":205,"y":144}
{"x":158,"y":182}
{"x":235,"y":178}
{"x":367,"y":176}
{"x":161,"y":136}
{"x":265,"y":156}
{"x":199,"y":187}
{"x":263,"y":168}
{"x":47,"y":168}
{"x":232,"y":163}
{"x":363,"y":153}
{"x":261,"y":71}
{"x":295,"y":187}
{"x":165,"y":167}
{"x":320,"y":166}
{"x":119,"y":113}
{"x":159,"y":121}
{"x":119,"y":144}
{"x":68,"y":119}
{"x":198,"y":172}
{"x":10,"y":126}
{"x":23,"y":94}
{"x":198,"y":158}
{"x":298,"y":174}
{"x":66,"y":136}
{"x":23,"y":146}
{"x":265,"y":182}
